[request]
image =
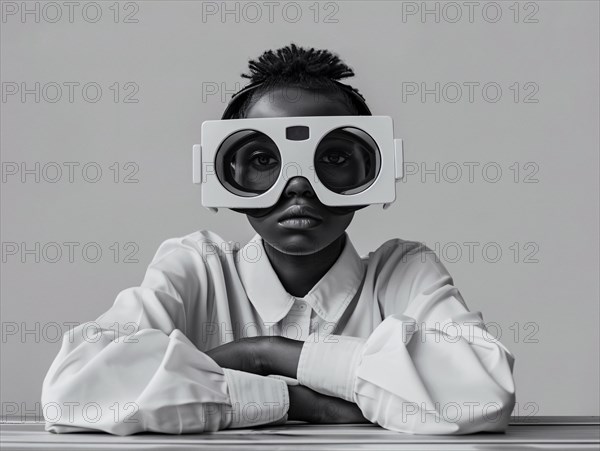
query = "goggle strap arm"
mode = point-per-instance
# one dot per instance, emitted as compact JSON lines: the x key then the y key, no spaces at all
{"x":399,"y":160}
{"x":197,"y":163}
{"x":398,"y":164}
{"x":197,"y":169}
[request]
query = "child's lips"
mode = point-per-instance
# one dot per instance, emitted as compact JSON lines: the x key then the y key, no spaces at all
{"x":300,"y":222}
{"x":300,"y":212}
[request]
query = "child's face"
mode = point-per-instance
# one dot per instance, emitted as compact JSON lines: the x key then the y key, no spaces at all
{"x":299,"y":237}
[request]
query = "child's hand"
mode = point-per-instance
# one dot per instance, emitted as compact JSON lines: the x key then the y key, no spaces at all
{"x":313,"y":407}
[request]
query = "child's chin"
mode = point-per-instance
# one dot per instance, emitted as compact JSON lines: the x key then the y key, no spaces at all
{"x":293,"y":242}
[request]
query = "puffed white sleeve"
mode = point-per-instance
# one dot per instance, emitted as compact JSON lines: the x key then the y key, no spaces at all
{"x":134,"y":369}
{"x":430,"y":367}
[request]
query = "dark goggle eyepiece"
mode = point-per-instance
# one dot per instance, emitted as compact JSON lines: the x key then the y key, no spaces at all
{"x":248,"y":163}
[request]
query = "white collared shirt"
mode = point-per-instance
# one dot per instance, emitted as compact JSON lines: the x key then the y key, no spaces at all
{"x":387,"y":331}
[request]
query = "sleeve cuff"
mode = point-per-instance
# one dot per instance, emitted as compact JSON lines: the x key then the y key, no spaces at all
{"x":328,"y":364}
{"x":255,"y":400}
{"x":287,"y":380}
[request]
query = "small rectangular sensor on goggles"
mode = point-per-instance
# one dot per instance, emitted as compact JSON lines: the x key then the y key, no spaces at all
{"x":348,"y":160}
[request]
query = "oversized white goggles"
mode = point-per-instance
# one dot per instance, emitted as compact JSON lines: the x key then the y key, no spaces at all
{"x":348,"y":160}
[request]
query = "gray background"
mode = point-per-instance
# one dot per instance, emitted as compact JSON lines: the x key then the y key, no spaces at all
{"x":545,"y":303}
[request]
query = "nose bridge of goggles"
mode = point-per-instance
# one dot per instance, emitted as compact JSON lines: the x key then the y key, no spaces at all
{"x":297,"y":158}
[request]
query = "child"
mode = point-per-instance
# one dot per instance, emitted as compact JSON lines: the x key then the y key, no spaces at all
{"x":295,"y":325}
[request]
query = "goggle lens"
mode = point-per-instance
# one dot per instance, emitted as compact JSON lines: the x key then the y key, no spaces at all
{"x":248,"y":163}
{"x":347,"y":160}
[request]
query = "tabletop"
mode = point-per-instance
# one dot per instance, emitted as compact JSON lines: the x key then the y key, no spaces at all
{"x":523,"y":433}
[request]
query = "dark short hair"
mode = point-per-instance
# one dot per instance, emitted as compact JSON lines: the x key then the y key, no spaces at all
{"x":294,"y":66}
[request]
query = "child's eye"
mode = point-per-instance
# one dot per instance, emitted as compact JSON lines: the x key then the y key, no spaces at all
{"x":334,"y":157}
{"x":263,"y":159}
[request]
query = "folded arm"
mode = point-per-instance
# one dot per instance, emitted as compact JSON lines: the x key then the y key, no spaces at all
{"x":273,"y":355}
{"x":134,"y":369}
{"x":429,"y":368}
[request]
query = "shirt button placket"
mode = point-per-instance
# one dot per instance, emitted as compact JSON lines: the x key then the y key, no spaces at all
{"x":298,"y":321}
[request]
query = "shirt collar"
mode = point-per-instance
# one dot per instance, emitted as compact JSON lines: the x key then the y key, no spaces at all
{"x":329,"y":297}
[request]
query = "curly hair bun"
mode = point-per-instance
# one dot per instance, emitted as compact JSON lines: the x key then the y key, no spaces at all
{"x":297,"y":64}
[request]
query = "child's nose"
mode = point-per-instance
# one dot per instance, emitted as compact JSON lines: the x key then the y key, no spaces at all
{"x":299,"y":186}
